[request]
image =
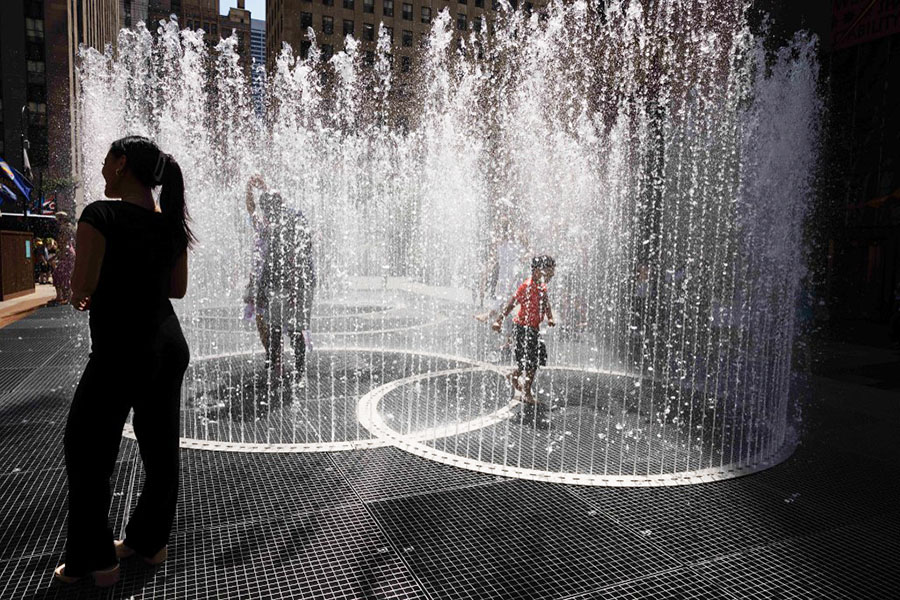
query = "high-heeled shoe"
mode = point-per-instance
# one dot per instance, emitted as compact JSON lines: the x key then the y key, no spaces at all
{"x":102,"y":577}
{"x":123,"y":551}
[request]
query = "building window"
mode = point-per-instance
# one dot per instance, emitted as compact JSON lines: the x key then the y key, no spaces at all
{"x":369,"y":6}
{"x":461,"y":21}
{"x":476,"y":24}
{"x":348,"y":27}
{"x":348,"y":4}
{"x":426,"y":14}
{"x":463,"y":1}
{"x":404,"y":64}
{"x":479,"y":3}
{"x":407,"y":11}
{"x":37,"y":113}
{"x":305,"y":19}
{"x":368,"y":32}
{"x":389,"y":8}
{"x":328,"y":2}
{"x":35,"y":67}
{"x":305,"y":45}
{"x":327,"y":51}
{"x":495,"y":5}
{"x":34,"y":29}
{"x":327,"y":25}
{"x":407,"y":38}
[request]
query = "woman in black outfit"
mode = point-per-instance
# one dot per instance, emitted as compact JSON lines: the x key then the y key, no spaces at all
{"x":131,"y":257}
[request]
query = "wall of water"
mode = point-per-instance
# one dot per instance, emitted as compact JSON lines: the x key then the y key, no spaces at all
{"x":659,"y":154}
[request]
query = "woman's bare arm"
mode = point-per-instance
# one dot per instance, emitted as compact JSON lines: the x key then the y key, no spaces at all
{"x":178,"y":283}
{"x":90,"y":247}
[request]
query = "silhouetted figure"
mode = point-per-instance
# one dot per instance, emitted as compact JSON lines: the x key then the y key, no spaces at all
{"x":283,"y":278}
{"x":131,"y":258}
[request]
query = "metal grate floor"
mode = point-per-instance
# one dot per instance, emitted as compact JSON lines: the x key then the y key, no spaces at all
{"x":381,"y":523}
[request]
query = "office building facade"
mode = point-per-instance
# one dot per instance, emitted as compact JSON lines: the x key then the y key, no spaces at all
{"x":407,"y":23}
{"x":39,"y":92}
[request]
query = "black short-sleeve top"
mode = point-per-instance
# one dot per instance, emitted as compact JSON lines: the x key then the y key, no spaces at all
{"x":132,"y":295}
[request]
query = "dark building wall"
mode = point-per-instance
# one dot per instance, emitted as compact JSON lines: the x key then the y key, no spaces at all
{"x":855,"y":226}
{"x":59,"y":89}
{"x":12,"y":83}
{"x":862,"y":200}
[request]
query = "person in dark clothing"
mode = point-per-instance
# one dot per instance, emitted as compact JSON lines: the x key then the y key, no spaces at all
{"x":286,"y":281}
{"x":131,"y":258}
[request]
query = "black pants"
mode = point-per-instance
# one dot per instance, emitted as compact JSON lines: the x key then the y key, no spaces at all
{"x":147,"y":379}
{"x":297,"y":343}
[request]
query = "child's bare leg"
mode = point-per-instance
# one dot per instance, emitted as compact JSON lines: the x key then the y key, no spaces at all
{"x":529,"y":379}
{"x":514,"y":380}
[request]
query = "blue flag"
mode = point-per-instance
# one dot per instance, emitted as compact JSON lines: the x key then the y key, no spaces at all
{"x":7,"y":194}
{"x":16,"y":178}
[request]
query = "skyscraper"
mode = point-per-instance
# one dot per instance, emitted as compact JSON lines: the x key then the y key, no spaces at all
{"x":258,"y":41}
{"x":258,"y":54}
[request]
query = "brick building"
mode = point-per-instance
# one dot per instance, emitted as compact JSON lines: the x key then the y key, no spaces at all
{"x":408,"y":22}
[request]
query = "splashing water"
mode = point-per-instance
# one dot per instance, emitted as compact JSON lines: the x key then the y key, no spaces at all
{"x":658,"y":154}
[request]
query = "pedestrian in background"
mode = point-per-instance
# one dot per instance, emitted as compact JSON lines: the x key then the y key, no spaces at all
{"x":65,"y":259}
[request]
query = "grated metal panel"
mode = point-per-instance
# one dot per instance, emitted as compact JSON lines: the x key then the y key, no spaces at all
{"x":384,"y":473}
{"x":335,"y":554}
{"x":854,"y":562}
{"x":514,"y":539}
{"x":226,"y":488}
{"x":34,"y":509}
{"x":677,"y":584}
{"x":31,"y":446}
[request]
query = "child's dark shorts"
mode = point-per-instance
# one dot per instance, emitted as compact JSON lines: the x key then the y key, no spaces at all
{"x":530,"y":350}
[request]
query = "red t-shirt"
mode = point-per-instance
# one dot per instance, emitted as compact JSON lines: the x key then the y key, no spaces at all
{"x":533,"y":302}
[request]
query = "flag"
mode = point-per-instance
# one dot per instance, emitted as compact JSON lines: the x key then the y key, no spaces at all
{"x":26,"y":164}
{"x":48,"y":205}
{"x":16,"y":178}
{"x":7,"y":194}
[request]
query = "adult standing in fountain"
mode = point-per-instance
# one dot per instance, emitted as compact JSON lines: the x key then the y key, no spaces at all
{"x":284,"y":276}
{"x":507,"y":257}
{"x":131,"y":258}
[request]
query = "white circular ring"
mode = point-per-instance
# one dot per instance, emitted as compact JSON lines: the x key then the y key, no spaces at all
{"x":368,"y":416}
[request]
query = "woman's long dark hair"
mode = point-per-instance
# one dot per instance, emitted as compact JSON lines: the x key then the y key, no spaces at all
{"x":152,"y":167}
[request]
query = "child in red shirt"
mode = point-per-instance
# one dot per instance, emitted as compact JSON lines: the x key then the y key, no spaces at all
{"x":534,"y":305}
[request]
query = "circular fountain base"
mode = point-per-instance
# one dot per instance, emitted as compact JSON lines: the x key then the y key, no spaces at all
{"x":598,"y":428}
